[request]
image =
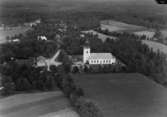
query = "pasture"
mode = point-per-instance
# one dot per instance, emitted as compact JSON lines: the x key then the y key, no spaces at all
{"x":11,"y":31}
{"x":124,"y":95}
{"x":113,"y":26}
{"x":46,"y":104}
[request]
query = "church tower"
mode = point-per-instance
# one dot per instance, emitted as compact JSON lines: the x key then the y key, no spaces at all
{"x":86,"y":52}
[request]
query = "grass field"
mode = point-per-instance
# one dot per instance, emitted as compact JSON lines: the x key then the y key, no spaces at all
{"x":11,"y":32}
{"x":47,"y":104}
{"x":151,"y":33}
{"x":156,"y":46}
{"x":164,"y":33}
{"x":113,"y":26}
{"x":125,"y":95}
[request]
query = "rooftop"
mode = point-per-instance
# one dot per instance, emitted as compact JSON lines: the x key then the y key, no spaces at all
{"x":101,"y":56}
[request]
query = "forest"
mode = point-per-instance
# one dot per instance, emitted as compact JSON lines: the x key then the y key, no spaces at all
{"x":86,"y":15}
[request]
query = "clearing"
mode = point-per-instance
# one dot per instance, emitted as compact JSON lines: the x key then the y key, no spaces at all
{"x":52,"y":104}
{"x":125,"y":95}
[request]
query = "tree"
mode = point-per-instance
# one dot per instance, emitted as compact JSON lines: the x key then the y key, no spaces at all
{"x":8,"y":85}
{"x":158,"y":35}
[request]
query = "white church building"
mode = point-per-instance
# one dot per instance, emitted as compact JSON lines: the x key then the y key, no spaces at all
{"x":97,"y":58}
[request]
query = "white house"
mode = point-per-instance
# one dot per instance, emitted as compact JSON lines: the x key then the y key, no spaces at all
{"x":97,"y":58}
{"x":42,"y":38}
{"x":14,"y":40}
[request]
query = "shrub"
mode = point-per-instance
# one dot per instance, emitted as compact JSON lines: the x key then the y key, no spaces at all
{"x":68,"y":87}
{"x":75,"y":94}
{"x":87,"y":108}
{"x":8,"y":86}
{"x":75,"y":70}
{"x":23,"y":84}
{"x":80,"y":92}
{"x":116,"y":68}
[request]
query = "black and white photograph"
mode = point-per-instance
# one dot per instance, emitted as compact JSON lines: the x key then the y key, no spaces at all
{"x":83,"y":58}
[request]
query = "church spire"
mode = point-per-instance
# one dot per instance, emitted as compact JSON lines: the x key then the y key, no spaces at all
{"x":86,"y":51}
{"x":87,"y":44}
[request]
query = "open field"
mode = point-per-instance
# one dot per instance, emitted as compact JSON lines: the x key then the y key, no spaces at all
{"x":11,"y":32}
{"x":164,"y":33}
{"x":113,"y":26}
{"x":36,"y":104}
{"x":62,"y":113}
{"x":156,"y":46}
{"x":125,"y":95}
{"x":101,"y":36}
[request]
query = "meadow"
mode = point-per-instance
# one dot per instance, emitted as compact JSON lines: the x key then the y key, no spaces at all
{"x":124,"y":95}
